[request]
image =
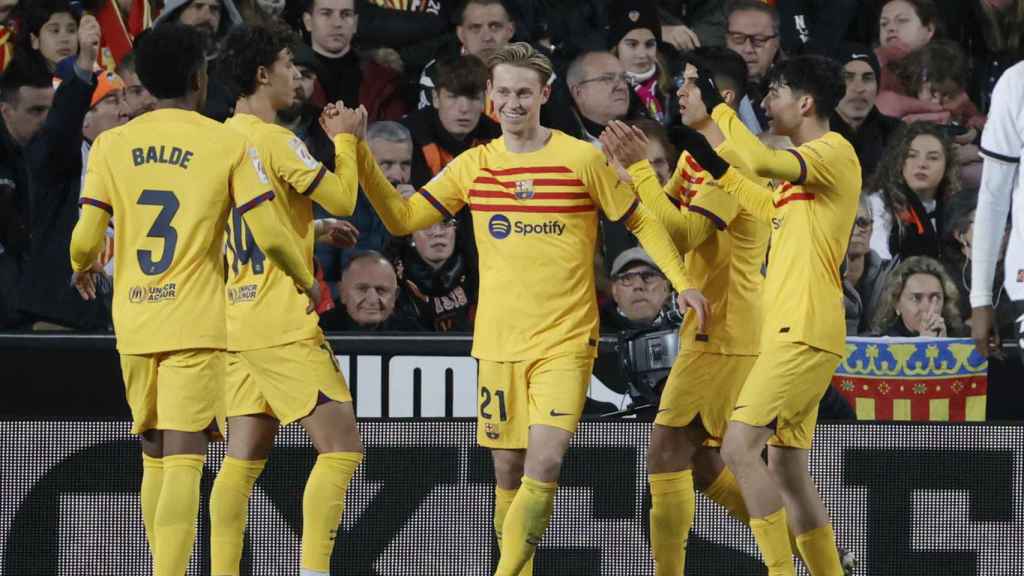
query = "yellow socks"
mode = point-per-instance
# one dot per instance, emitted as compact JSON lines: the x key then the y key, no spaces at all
{"x":672,"y":508}
{"x":818,"y":550}
{"x":525,"y":523}
{"x":725,"y":491}
{"x":229,"y":510}
{"x":502,"y":500}
{"x":175,"y":519}
{"x":772,"y":535}
{"x":322,"y":504}
{"x":149,"y":495}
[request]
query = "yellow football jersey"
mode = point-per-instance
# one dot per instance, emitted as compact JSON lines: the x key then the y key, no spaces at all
{"x":535,"y":221}
{"x":811,"y":215}
{"x":727,"y":265}
{"x":168,"y":178}
{"x":264,"y":308}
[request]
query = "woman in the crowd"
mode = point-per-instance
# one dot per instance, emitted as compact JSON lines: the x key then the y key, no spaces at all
{"x":634,"y":36}
{"x":916,"y":176}
{"x":919,"y":299}
{"x":905,"y":26}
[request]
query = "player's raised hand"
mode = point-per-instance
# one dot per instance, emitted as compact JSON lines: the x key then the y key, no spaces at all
{"x":697,"y":145}
{"x":337,"y":233}
{"x":627,"y":144}
{"x":709,"y":93}
{"x":344,"y":121}
{"x":88,"y":42}
{"x":692,"y":298}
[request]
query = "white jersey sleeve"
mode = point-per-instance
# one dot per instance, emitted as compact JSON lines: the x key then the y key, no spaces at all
{"x":1002,"y":144}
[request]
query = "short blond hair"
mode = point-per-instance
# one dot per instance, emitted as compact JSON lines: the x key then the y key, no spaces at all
{"x":522,"y":55}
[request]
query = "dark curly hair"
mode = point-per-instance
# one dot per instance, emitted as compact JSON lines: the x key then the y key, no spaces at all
{"x":167,"y":59}
{"x":247,"y":49}
{"x":817,"y":76}
{"x":937,"y":62}
{"x":888,"y":178}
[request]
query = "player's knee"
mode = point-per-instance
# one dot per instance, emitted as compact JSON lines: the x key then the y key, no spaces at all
{"x":544,"y":465}
{"x":736,"y":451}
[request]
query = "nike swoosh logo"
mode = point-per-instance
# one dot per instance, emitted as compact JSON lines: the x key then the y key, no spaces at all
{"x":739,"y":407}
{"x":557,"y":414}
{"x":664,"y":410}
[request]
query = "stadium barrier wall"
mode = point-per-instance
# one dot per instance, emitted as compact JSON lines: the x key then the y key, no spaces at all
{"x":907,"y":499}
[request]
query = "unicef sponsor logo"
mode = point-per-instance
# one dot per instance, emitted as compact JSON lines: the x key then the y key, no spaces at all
{"x":500,"y":226}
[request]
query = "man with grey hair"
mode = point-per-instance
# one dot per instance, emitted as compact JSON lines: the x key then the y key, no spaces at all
{"x":600,"y":93}
{"x":752,"y":31}
{"x":391,"y":144}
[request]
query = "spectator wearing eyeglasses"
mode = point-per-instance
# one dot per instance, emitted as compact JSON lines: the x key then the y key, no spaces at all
{"x":752,"y":30}
{"x":600,"y":92}
{"x":864,"y":273}
{"x":640,"y":293}
{"x":437,"y":283}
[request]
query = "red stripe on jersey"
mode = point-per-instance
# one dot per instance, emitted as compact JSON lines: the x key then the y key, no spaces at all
{"x":794,"y":197}
{"x":535,"y":181}
{"x":529,"y":170}
{"x":693,"y":163}
{"x":547,"y":209}
{"x":473,"y":193}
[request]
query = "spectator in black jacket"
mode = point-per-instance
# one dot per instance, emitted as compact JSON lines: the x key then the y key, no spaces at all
{"x":436,"y":281}
{"x":214,"y":18}
{"x":455,"y":123}
{"x":753,"y":32}
{"x":26,"y":95}
{"x":815,"y":26}
{"x":856,"y":117}
{"x":83,"y":107}
{"x":367,"y":297}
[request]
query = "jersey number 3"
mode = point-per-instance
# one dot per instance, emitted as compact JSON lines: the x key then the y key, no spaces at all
{"x":161,"y":229}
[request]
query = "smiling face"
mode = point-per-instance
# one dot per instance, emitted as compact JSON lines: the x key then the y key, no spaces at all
{"x":368,"y":291}
{"x":517,"y":94}
{"x":784,"y":109}
{"x":638,"y":50}
{"x":924,"y":165}
{"x":900,"y":27}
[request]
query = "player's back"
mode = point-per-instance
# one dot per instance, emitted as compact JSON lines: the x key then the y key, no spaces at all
{"x":167,"y":175}
{"x":263,"y":307}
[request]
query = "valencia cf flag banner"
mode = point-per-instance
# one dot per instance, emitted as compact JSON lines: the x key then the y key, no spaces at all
{"x":920,"y":379}
{"x":119,"y":31}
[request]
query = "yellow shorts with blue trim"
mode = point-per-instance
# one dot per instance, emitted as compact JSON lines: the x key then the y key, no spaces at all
{"x":181,"y":390}
{"x":283,"y":381}
{"x":516,"y":395}
{"x":784,"y":389}
{"x":703,"y":384}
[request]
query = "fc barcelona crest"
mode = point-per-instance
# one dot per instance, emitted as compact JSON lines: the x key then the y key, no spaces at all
{"x":524,"y":189}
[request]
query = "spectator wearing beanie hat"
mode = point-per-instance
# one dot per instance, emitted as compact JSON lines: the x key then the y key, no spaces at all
{"x":634,"y":35}
{"x":856,"y":117}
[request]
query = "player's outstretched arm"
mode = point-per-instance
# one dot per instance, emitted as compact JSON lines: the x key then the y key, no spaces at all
{"x":766,"y":162}
{"x":401,"y":216}
{"x":627,"y":145}
{"x":87,"y":241}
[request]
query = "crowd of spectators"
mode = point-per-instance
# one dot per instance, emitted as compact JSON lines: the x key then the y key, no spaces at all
{"x":919,"y":77}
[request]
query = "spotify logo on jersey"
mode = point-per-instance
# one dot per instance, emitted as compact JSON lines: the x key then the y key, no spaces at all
{"x":499,"y":226}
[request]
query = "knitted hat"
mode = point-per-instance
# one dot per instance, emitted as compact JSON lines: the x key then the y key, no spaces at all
{"x":624,"y":16}
{"x":106,"y":83}
{"x":851,"y":52}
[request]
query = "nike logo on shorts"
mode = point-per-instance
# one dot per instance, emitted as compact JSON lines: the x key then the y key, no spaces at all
{"x":557,"y":414}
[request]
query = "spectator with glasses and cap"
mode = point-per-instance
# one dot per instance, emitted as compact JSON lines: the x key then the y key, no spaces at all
{"x":640,"y":293}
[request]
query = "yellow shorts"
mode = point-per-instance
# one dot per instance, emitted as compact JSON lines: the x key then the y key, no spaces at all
{"x":181,"y":391}
{"x":703,"y":384}
{"x":516,"y":395}
{"x":784,"y":388}
{"x":283,"y":381}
